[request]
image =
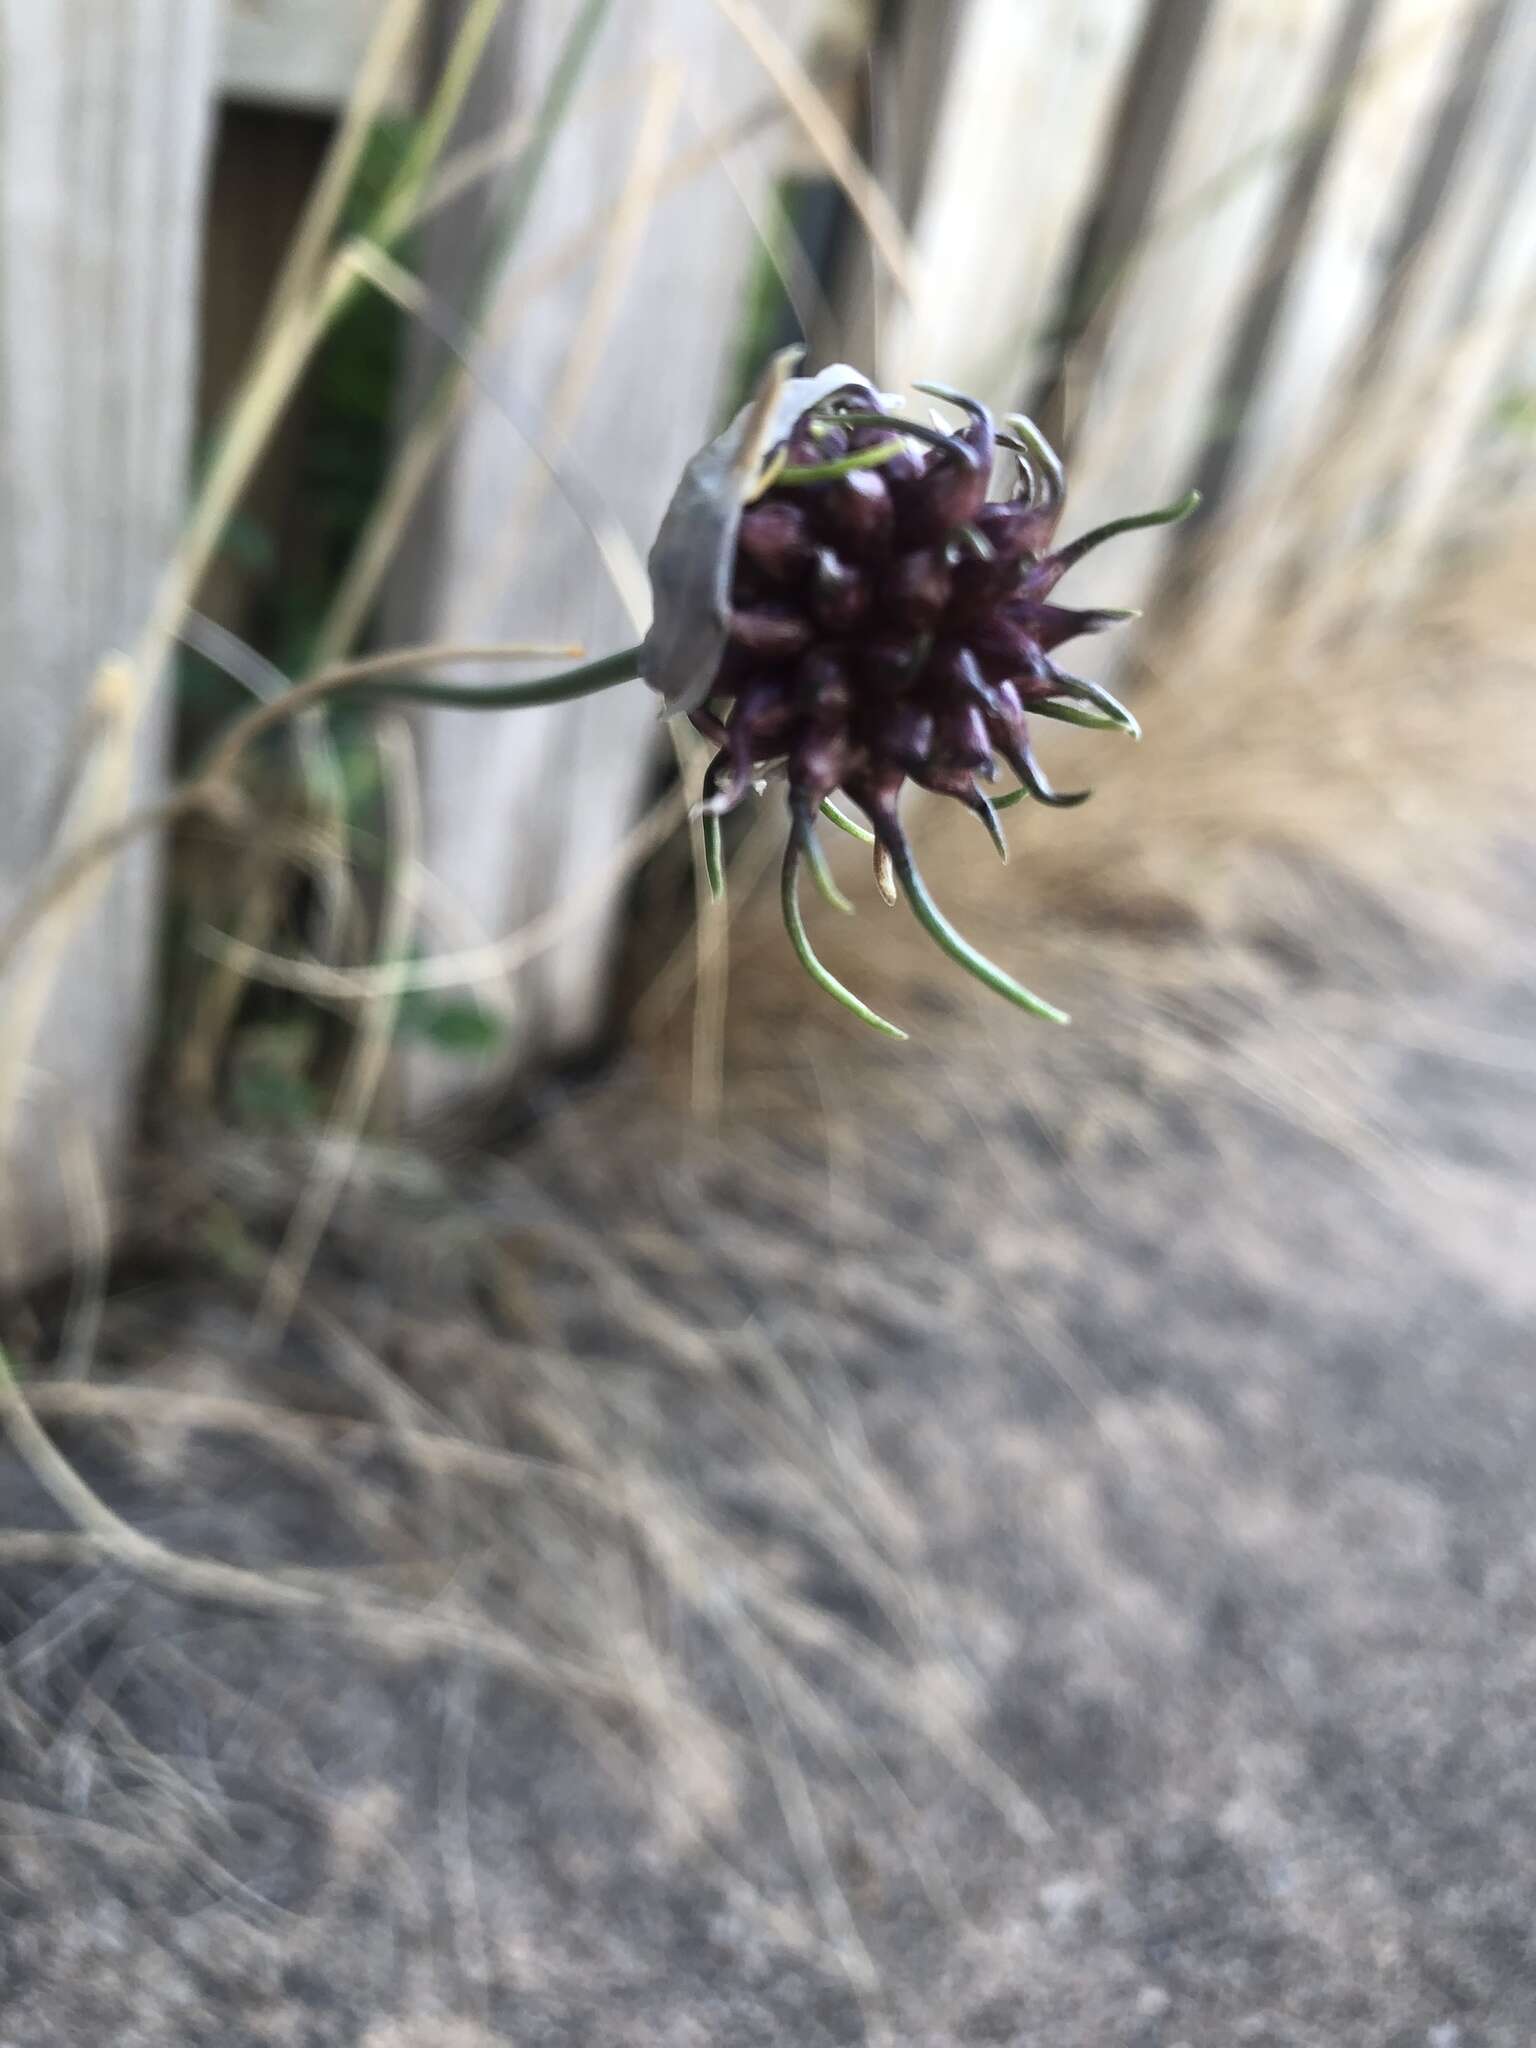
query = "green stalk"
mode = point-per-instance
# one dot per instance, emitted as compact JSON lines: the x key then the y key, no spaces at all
{"x":1166,"y":515}
{"x":603,"y":674}
{"x":918,"y":429}
{"x":816,"y":860}
{"x":1047,"y":462}
{"x":714,"y":857}
{"x":585,"y":681}
{"x":987,"y":811}
{"x":453,"y":83}
{"x":794,"y":924}
{"x":843,"y":465}
{"x":944,"y":935}
{"x":1096,"y":694}
{"x":714,"y":845}
{"x":1069,"y":714}
{"x":835,"y":815}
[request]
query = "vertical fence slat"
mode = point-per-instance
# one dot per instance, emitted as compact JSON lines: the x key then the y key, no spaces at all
{"x":1333,"y":294}
{"x":524,"y":814}
{"x":295,"y":53}
{"x":104,"y":121}
{"x":1471,"y":290}
{"x":1008,"y":175}
{"x":1144,"y":408}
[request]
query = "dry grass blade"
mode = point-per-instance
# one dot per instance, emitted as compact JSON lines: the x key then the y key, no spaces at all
{"x":615,"y":550}
{"x":779,"y":239}
{"x":584,"y":355}
{"x":100,"y":1535}
{"x":422,"y":449}
{"x":476,"y":161}
{"x":829,"y":138}
{"x":678,"y":973}
{"x":755,"y":1680}
{"x":494,"y":959}
{"x":259,"y":880}
{"x":368,"y":1054}
{"x":290,"y":343}
{"x":397,"y":209}
{"x":424,"y":443}
{"x":99,"y":789}
{"x":90,"y":1231}
{"x":382,"y":61}
{"x":212,"y":793}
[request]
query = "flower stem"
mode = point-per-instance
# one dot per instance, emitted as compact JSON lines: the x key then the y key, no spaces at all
{"x":603,"y":674}
{"x":585,"y":681}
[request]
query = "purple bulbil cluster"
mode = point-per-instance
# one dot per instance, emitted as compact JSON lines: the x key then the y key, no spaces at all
{"x":894,"y":622}
{"x":872,"y":616}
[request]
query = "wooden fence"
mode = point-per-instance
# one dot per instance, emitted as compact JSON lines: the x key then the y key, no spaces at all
{"x":105,"y":119}
{"x":1212,"y":239}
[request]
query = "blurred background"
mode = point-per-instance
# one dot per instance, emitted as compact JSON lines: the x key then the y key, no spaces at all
{"x":429,"y":1093}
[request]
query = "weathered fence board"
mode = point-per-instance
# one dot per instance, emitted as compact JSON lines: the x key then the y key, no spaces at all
{"x":1471,"y":290}
{"x":104,"y":122}
{"x":295,"y":53}
{"x":1144,"y":410}
{"x":617,"y":370}
{"x":1008,"y":171}
{"x":1334,"y":292}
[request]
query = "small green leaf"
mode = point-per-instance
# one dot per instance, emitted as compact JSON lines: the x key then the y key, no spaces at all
{"x":1515,"y":411}
{"x":453,"y":1024}
{"x":270,"y":1062}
